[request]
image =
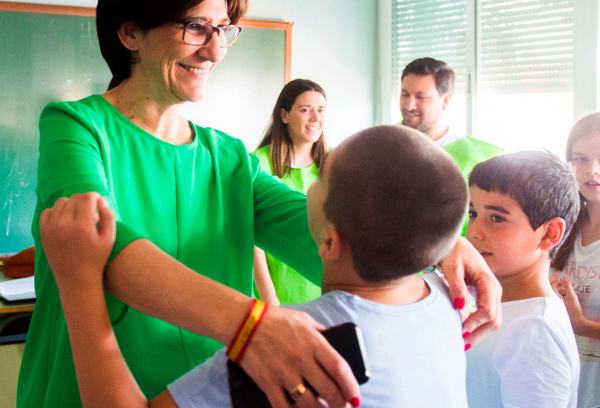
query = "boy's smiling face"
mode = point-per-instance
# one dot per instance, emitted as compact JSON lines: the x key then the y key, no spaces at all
{"x":500,"y":230}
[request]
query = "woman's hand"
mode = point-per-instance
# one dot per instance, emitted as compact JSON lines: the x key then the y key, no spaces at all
{"x":464,"y":265}
{"x":76,"y":241}
{"x":287,"y":350}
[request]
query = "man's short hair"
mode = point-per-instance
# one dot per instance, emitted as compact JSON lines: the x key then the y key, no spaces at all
{"x":397,"y":198}
{"x":443,"y":74}
{"x":542,"y":185}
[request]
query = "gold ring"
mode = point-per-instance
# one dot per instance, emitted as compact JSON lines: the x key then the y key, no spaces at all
{"x":298,"y":391}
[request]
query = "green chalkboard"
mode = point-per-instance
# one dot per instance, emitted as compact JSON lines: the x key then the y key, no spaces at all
{"x":49,"y":57}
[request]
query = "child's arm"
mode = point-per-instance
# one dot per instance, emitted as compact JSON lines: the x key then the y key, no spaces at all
{"x":262,"y":278}
{"x":77,"y":251}
{"x":582,"y":326}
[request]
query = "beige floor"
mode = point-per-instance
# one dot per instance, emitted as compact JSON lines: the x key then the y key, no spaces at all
{"x":10,"y":362}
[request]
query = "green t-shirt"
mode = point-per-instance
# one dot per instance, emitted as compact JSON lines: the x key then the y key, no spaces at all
{"x":290,"y":286}
{"x":205,"y":204}
{"x":468,"y":151}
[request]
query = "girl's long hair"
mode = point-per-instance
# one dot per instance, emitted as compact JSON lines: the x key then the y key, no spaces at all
{"x":587,"y":126}
{"x":277,"y":135}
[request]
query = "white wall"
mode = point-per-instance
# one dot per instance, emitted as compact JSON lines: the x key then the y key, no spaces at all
{"x":586,"y":63}
{"x":333,"y":44}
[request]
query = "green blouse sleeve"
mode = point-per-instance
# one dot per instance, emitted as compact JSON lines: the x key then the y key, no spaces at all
{"x":281,"y":224}
{"x":74,"y":159}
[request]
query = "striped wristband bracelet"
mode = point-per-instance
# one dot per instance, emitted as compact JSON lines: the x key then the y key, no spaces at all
{"x":244,"y":334}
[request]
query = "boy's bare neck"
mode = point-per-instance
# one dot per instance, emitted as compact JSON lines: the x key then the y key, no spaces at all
{"x":405,"y":291}
{"x":530,"y":283}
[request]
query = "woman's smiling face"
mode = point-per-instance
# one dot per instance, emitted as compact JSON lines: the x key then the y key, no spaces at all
{"x":306,"y":118}
{"x":173,"y":71}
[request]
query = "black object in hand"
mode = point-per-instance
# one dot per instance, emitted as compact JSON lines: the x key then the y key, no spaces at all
{"x":345,"y":338}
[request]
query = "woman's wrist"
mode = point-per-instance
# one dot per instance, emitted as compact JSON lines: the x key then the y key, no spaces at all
{"x":246,"y":330}
{"x":227,"y":325}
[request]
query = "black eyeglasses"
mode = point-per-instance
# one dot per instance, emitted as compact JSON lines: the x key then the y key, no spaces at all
{"x":200,"y":33}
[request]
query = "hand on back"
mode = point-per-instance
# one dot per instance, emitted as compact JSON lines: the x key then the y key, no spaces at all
{"x":287,"y":350}
{"x":464,"y":265}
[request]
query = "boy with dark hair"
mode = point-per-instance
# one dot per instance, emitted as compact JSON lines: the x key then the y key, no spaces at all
{"x":377,"y":220}
{"x":522,"y":206}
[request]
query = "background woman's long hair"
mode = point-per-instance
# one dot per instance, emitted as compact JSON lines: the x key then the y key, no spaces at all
{"x":277,"y":135}
{"x":587,"y":126}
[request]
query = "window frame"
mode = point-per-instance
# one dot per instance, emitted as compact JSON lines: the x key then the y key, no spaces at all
{"x":586,"y":65}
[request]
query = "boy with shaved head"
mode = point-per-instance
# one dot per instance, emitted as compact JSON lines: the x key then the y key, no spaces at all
{"x":388,"y":204}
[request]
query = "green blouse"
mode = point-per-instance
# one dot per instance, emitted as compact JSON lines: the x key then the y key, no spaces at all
{"x":205,"y":204}
{"x":290,"y":286}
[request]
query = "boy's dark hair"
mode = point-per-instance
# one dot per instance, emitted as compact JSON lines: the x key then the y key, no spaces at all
{"x":542,"y":185}
{"x":443,"y":74}
{"x":397,"y":198}
{"x":277,"y":135}
{"x":145,"y":14}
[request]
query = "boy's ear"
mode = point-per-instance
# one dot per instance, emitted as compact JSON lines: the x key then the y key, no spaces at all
{"x":330,"y":248}
{"x":555,"y":229}
{"x":128,"y":34}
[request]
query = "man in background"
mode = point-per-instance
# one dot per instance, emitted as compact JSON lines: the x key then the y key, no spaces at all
{"x":426,"y":91}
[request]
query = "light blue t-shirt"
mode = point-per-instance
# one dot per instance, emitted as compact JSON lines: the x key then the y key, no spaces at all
{"x":415,"y":353}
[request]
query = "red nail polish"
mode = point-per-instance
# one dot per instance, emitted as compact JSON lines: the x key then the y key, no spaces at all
{"x":467,"y":347}
{"x":355,"y":402}
{"x":459,"y":303}
{"x":466,"y":334}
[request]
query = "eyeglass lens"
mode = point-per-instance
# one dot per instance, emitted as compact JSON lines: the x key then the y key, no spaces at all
{"x":201,"y":33}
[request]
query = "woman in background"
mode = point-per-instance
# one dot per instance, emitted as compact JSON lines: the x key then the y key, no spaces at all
{"x":292,"y":149}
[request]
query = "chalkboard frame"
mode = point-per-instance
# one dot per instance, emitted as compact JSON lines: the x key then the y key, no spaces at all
{"x":91,"y":12}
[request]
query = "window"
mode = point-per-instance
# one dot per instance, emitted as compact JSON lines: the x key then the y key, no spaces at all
{"x":525,"y":73}
{"x":523,"y":64}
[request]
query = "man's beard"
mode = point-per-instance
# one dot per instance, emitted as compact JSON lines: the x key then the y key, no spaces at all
{"x":424,"y":126}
